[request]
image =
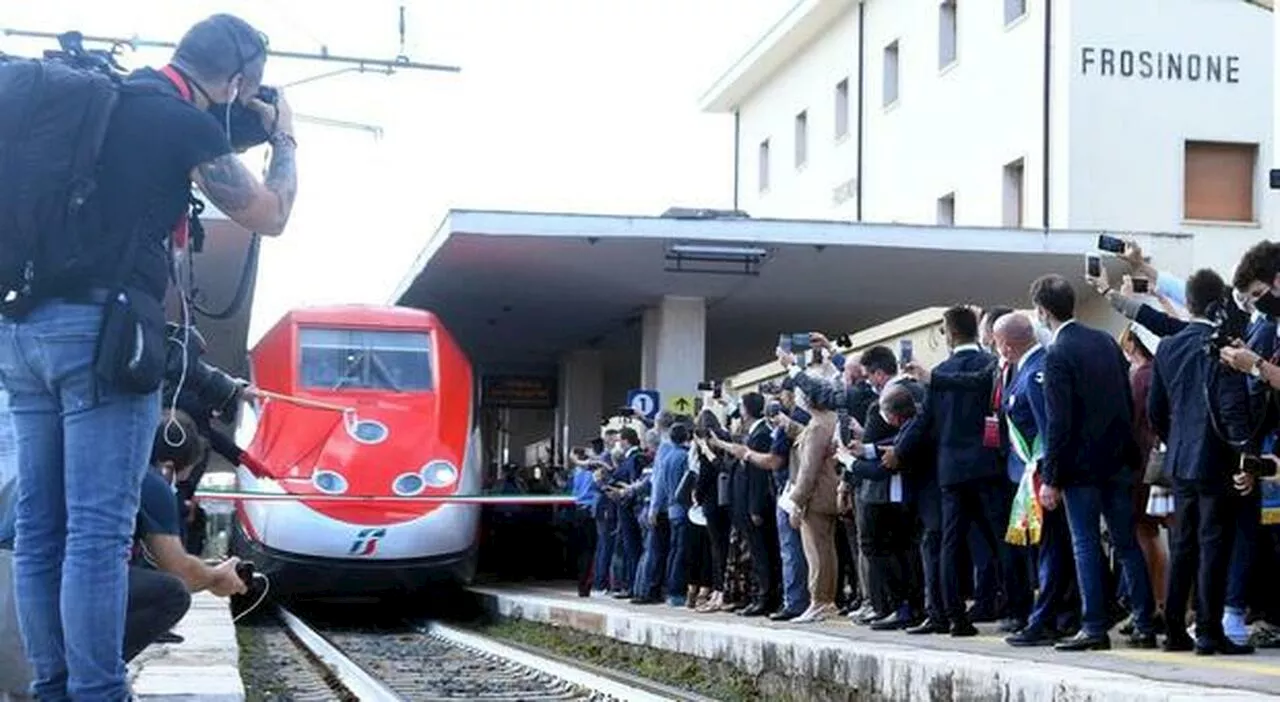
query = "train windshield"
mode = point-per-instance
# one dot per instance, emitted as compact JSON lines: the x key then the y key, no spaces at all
{"x":365,"y":359}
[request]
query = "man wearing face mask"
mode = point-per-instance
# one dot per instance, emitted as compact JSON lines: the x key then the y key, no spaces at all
{"x":1257,"y":280}
{"x":83,"y":437}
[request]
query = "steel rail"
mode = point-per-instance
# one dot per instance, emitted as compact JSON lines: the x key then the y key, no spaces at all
{"x":350,"y":674}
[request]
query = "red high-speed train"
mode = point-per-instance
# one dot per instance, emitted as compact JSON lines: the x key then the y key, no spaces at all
{"x":411,"y":433}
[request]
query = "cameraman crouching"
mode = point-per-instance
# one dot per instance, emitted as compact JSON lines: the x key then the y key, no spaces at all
{"x":161,"y":573}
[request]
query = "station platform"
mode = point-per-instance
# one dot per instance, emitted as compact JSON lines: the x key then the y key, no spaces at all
{"x":205,"y":667}
{"x":895,"y":666}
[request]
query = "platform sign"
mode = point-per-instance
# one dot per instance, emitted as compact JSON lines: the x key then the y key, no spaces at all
{"x":519,"y":392}
{"x":681,"y":404}
{"x":644,"y":403}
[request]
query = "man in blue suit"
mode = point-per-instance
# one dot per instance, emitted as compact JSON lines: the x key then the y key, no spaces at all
{"x":1089,"y":453}
{"x":969,"y":474}
{"x":1201,"y":460}
{"x":1025,"y":415}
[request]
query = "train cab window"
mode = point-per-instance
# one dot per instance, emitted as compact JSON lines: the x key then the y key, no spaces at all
{"x":365,"y":359}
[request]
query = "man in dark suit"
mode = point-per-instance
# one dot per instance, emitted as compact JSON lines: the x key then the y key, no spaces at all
{"x":1201,"y":463}
{"x":973,"y":492}
{"x":754,"y":504}
{"x":1089,"y":451}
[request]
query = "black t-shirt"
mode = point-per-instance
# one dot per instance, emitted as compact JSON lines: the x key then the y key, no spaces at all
{"x":153,"y":141}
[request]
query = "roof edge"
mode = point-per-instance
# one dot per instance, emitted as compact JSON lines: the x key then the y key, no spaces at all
{"x":805,"y":20}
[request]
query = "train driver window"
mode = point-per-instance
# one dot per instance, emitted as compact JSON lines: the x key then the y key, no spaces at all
{"x":365,"y":359}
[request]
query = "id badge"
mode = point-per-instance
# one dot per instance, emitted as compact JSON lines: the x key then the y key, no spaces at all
{"x":991,"y":432}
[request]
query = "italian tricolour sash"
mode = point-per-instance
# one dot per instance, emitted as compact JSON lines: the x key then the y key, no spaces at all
{"x":1027,"y":516}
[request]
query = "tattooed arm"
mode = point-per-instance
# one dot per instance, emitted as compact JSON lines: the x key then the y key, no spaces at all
{"x":261,"y":207}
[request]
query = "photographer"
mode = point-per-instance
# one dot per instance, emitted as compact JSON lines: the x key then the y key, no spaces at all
{"x":84,"y":386}
{"x":161,"y":575}
{"x":1257,"y":280}
{"x":1201,"y":430}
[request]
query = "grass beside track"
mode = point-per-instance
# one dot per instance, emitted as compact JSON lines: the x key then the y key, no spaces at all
{"x":709,"y":678}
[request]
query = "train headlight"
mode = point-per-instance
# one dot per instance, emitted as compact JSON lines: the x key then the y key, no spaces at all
{"x":440,"y":474}
{"x":329,"y":482}
{"x":408,"y":484}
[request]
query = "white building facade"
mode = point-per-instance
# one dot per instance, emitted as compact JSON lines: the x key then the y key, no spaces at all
{"x":1141,"y":115}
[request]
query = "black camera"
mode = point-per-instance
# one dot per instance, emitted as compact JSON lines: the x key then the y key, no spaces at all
{"x":247,"y":130}
{"x":1230,"y":323}
{"x":203,"y":389}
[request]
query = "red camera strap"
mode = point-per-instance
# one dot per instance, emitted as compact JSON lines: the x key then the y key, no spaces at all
{"x":180,"y":230}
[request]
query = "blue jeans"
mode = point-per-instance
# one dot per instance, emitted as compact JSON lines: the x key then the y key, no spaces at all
{"x":653,"y":564}
{"x":795,"y":570}
{"x":82,"y":452}
{"x":628,"y":545}
{"x":1084,"y":505}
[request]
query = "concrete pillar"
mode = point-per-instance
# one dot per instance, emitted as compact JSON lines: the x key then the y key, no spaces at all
{"x":674,"y":350}
{"x":581,"y":404}
{"x":652,"y":326}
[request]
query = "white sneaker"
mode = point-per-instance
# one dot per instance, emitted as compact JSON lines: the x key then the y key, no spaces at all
{"x":815,"y":613}
{"x":1233,"y":626}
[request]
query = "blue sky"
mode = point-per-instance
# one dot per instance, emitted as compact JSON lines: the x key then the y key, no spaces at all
{"x":562,"y":105}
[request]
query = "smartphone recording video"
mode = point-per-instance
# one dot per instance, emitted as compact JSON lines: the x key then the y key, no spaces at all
{"x":1110,"y":243}
{"x":1093,"y":265}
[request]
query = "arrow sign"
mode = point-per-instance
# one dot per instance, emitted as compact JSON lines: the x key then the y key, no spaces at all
{"x":644,"y":403}
{"x":681,"y":404}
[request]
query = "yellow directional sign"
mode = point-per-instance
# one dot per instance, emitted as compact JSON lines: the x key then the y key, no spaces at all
{"x":680,"y":404}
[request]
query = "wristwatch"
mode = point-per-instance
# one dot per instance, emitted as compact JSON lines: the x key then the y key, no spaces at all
{"x":1256,"y":370}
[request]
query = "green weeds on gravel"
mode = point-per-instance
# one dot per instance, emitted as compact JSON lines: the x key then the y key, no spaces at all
{"x":709,"y":678}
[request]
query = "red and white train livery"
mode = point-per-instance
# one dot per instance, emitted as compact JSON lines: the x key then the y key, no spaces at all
{"x":410,"y":432}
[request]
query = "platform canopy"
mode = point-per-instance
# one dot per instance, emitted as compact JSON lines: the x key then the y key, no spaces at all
{"x":518,"y":289}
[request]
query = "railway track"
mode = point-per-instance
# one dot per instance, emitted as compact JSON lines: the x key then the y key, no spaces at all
{"x":430,"y":662}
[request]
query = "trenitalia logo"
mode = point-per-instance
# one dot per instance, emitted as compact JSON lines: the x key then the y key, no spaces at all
{"x":366,"y":542}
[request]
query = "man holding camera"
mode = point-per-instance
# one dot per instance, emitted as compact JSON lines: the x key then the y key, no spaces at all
{"x":80,"y":361}
{"x":1200,"y":438}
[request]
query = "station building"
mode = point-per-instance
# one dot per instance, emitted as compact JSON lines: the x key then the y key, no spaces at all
{"x":1144,"y":115}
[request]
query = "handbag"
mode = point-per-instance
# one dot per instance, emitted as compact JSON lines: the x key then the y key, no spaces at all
{"x":1154,"y":473}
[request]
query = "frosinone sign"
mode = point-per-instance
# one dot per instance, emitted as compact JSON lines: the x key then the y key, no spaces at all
{"x":1145,"y":64}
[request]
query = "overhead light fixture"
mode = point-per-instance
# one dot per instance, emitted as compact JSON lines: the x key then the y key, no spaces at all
{"x":721,"y":251}
{"x":726,"y":260}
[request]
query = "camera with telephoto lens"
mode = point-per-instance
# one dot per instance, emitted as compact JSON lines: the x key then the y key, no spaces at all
{"x":206,"y":388}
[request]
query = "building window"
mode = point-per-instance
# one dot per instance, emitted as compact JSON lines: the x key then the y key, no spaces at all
{"x":1013,"y":9}
{"x":764,"y":165}
{"x":947,"y":210}
{"x":802,"y":138}
{"x":891,"y":74}
{"x":1218,"y":181}
{"x":842,"y":109}
{"x":1013,"y":183}
{"x":946,"y":33}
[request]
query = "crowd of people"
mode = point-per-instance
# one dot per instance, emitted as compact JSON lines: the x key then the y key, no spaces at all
{"x":1032,"y":478}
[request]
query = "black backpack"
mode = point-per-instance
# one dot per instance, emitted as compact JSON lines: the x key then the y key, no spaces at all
{"x":53,"y":119}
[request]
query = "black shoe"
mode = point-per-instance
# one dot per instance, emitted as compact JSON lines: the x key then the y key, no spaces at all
{"x":169,"y":637}
{"x":981,"y":614}
{"x":1032,"y":637}
{"x":757,"y":609}
{"x":1222,"y":645}
{"x":962,"y":629}
{"x":1084,"y":642}
{"x":1141,"y":640}
{"x":1174,"y":643}
{"x":783,"y":616}
{"x":893,"y":622}
{"x":930,"y":626}
{"x":1009,"y":625}
{"x":645,"y":600}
